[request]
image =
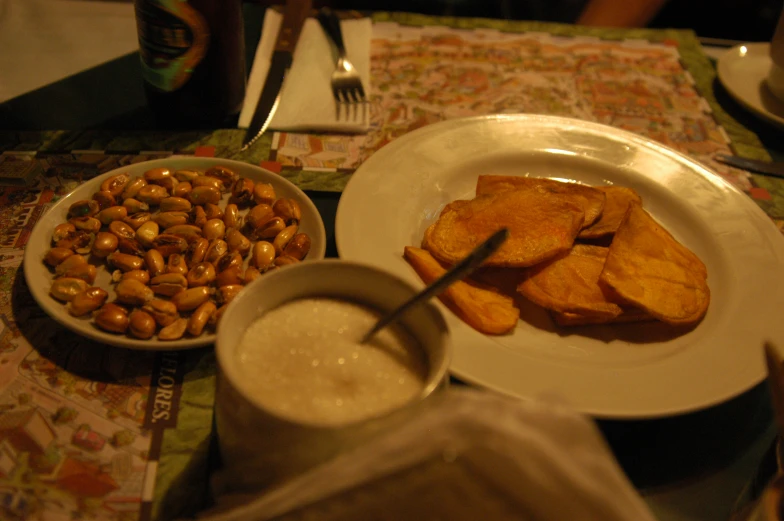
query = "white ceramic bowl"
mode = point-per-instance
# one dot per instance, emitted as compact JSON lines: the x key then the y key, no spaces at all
{"x":39,"y":277}
{"x":260,"y":449}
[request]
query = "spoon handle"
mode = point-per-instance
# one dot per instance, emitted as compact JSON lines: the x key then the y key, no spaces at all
{"x":457,"y":272}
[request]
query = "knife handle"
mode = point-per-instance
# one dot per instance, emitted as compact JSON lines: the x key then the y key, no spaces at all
{"x":331,"y":24}
{"x":294,"y":14}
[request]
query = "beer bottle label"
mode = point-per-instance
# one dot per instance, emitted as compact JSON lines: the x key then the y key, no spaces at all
{"x":173,"y":39}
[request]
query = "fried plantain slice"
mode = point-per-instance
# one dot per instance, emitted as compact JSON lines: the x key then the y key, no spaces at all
{"x":485,"y":310}
{"x":573,"y":319}
{"x":618,"y":200}
{"x":569,"y":283}
{"x":651,"y":270}
{"x":590,"y":199}
{"x":541,"y":225}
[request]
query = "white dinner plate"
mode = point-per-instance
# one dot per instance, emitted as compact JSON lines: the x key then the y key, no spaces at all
{"x":742,"y":70}
{"x":616,"y":371}
{"x":39,"y":277}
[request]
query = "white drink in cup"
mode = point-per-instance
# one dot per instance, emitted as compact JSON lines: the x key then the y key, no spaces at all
{"x":295,"y":388}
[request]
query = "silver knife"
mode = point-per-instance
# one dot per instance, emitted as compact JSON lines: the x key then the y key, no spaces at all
{"x":459,"y":271}
{"x":753,"y":165}
{"x":294,"y":15}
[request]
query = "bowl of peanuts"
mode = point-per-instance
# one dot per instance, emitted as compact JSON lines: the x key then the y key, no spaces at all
{"x":149,"y":255}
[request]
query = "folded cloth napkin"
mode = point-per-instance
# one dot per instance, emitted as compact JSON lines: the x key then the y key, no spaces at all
{"x":306,"y":102}
{"x":467,"y":455}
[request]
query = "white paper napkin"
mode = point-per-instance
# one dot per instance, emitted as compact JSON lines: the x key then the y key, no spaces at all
{"x":306,"y":102}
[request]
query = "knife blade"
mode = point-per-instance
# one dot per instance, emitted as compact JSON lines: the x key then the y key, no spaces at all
{"x":294,"y":15}
{"x":753,"y":165}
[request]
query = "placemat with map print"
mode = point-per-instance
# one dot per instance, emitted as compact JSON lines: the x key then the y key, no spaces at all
{"x":89,"y":431}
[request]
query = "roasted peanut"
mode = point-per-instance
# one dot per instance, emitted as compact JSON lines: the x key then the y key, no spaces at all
{"x":226,"y":175}
{"x":83,"y":208}
{"x":56,"y":255}
{"x":182,"y":189}
{"x":87,"y":224}
{"x":229,"y":260}
{"x":215,"y":318}
{"x":283,"y":238}
{"x":146,"y":233}
{"x":208,"y":182}
{"x":63,"y":231}
{"x":251,"y":274}
{"x":141,"y":324}
{"x":288,"y":210}
{"x":213,"y":211}
{"x":122,"y":230}
{"x":124,"y":261}
{"x":113,"y":213}
{"x":201,"y":274}
{"x":133,"y":206}
{"x":176,"y":264}
{"x":298,"y":247}
{"x":133,"y":187}
{"x":232,"y":217}
{"x":87,"y":301}
{"x":104,"y":199}
{"x":86,"y":272}
{"x":142,"y":276}
{"x":196,"y":251}
{"x":116,"y":184}
{"x":242,"y":192}
{"x":216,"y":250}
{"x":66,"y":288}
{"x":136,"y":220}
{"x":264,"y":193}
{"x":169,"y":219}
{"x":167,"y":244}
{"x":201,"y":195}
{"x":105,"y":243}
{"x":191,"y":298}
{"x":186,"y":175}
{"x":226,"y":294}
{"x":111,"y":318}
{"x":155,"y":175}
{"x":200,"y":317}
{"x":214,"y":229}
{"x":236,"y":241}
{"x":133,"y":292}
{"x":188,"y":232}
{"x":175,"y":204}
{"x":229,"y":276}
{"x":69,"y":263}
{"x":197,"y":216}
{"x":131,"y":247}
{"x":173,"y":331}
{"x":168,"y":284}
{"x":152,"y":194}
{"x":285,"y":260}
{"x":263,"y":254}
{"x":259,"y":215}
{"x":155,"y":263}
{"x":270,"y":229}
{"x":163,"y":311}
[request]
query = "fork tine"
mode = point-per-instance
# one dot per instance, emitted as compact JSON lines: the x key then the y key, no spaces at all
{"x":361,"y":93}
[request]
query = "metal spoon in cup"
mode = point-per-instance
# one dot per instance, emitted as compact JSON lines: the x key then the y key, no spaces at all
{"x":459,"y":271}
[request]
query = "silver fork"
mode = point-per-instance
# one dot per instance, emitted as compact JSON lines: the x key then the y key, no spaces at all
{"x":346,"y":84}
